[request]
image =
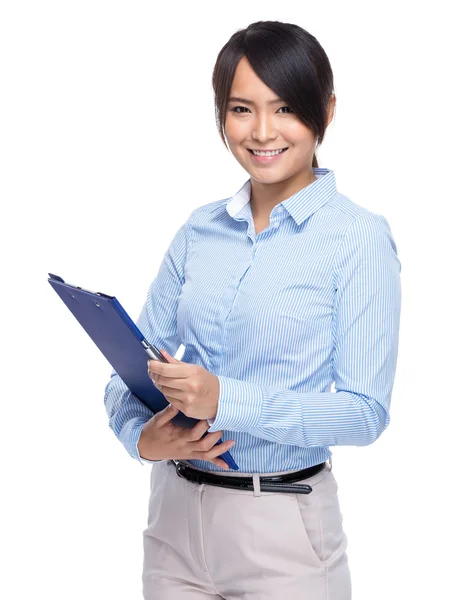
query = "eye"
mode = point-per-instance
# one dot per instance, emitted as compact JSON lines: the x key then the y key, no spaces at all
{"x":245,"y":108}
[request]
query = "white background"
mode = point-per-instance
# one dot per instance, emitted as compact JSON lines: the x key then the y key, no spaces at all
{"x":108,"y":142}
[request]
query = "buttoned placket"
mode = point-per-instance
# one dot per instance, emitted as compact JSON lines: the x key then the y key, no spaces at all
{"x":274,"y":223}
{"x":277,"y":211}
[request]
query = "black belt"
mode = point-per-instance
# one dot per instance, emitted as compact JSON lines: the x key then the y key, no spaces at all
{"x":272,"y":483}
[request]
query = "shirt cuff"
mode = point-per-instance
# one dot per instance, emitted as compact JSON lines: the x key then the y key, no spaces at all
{"x":136,"y":432}
{"x":239,"y":405}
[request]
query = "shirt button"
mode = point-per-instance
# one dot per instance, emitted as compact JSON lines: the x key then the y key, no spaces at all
{"x":276,"y":225}
{"x":279,"y":209}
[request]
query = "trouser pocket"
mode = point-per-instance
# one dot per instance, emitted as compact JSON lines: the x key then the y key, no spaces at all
{"x":322,"y":521}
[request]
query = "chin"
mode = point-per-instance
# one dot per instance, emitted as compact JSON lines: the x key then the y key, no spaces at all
{"x":270,"y":177}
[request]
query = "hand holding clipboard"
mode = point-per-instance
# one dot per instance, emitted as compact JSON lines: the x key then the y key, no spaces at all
{"x":125,"y":347}
{"x":171,"y":440}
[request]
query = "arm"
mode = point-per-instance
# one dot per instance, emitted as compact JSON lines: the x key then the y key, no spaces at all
{"x":157,"y":321}
{"x":366,"y":278}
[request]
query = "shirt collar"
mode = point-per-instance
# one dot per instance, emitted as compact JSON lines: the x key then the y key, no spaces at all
{"x":300,"y":205}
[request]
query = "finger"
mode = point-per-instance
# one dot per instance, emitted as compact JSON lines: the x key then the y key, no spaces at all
{"x":205,"y":443}
{"x":196,"y":432}
{"x":168,"y":389}
{"x":169,"y":357}
{"x":208,"y":440}
{"x":216,"y":450}
{"x":178,"y":370}
{"x":174,"y":396}
{"x":166,"y":415}
{"x":220,"y":463}
{"x":220,"y":449}
{"x":171,"y":384}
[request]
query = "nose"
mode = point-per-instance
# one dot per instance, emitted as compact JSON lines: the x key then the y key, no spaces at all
{"x":263,"y":129}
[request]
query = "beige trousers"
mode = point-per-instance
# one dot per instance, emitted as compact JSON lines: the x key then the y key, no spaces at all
{"x":208,"y":542}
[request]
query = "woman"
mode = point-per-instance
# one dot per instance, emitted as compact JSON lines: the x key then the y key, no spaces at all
{"x":276,"y":293}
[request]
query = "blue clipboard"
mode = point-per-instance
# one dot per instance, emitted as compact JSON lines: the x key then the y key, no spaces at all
{"x":122,"y":343}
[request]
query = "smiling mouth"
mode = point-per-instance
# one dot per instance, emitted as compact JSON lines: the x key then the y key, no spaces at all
{"x":281,"y":151}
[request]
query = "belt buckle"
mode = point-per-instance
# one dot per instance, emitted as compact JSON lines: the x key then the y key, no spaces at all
{"x":180,"y":471}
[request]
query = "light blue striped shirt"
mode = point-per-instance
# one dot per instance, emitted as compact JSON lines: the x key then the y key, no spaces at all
{"x":312,"y":301}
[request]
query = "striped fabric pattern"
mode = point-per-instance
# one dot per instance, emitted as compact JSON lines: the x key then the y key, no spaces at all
{"x":300,"y":324}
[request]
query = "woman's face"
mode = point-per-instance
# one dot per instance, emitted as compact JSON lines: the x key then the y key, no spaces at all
{"x":265,"y":122}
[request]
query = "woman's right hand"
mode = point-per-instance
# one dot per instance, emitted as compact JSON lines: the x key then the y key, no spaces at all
{"x":160,"y":439}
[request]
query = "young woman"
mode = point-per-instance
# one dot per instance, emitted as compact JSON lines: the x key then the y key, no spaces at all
{"x":277,"y":292}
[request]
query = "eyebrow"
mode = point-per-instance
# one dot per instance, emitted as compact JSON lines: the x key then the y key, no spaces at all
{"x":235,"y":99}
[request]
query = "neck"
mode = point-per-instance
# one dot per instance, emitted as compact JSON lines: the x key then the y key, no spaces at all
{"x":265,"y":196}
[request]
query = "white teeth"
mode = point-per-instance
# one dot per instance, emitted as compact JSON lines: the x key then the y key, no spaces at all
{"x":272,"y":153}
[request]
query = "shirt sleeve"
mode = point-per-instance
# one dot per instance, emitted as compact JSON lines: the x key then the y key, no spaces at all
{"x":158,"y":323}
{"x":366,"y":316}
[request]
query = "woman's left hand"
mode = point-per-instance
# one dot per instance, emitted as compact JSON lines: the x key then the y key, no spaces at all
{"x":190,"y":388}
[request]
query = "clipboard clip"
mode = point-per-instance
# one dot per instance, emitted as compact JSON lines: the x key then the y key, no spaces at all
{"x":78,"y":287}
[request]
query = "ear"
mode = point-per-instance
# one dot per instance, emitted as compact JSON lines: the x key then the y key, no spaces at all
{"x":330,"y":113}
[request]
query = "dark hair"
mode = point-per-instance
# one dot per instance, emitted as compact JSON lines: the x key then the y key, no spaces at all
{"x":289,"y":60}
